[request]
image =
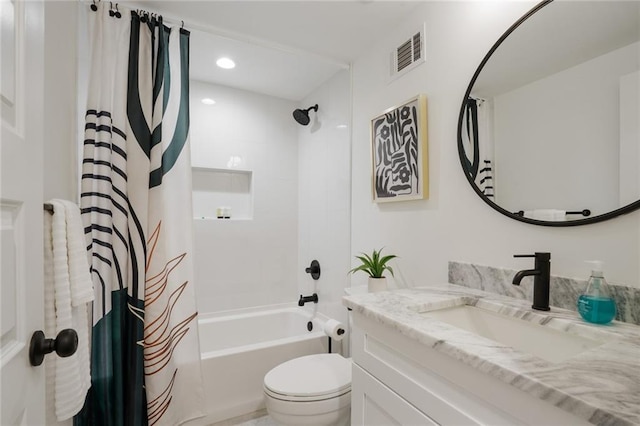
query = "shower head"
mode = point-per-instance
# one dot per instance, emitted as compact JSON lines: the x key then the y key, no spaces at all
{"x":302,"y":115}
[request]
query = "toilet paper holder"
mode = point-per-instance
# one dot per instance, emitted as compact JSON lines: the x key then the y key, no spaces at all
{"x":340,"y":332}
{"x":333,"y":329}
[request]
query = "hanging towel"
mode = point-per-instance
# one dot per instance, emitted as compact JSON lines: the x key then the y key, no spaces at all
{"x":68,"y":290}
{"x":552,"y":215}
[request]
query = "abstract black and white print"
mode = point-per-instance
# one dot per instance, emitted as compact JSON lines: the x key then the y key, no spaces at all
{"x":397,"y":138}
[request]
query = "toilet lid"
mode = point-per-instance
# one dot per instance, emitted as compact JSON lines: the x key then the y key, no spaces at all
{"x":310,"y":376}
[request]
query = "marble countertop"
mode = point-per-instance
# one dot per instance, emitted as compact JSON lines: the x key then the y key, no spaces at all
{"x":601,"y":385}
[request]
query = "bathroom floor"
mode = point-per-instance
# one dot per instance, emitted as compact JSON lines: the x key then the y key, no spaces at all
{"x":258,"y":418}
{"x":260,"y":421}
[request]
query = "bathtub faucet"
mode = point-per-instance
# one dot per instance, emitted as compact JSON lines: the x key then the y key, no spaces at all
{"x":306,"y":299}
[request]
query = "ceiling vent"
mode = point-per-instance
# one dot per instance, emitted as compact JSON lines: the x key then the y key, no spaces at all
{"x":408,"y":54}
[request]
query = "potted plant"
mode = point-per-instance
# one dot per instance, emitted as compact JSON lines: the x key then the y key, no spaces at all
{"x":375,"y":265}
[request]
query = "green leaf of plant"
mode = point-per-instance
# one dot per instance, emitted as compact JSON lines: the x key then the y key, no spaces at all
{"x":385,"y":259}
{"x":374,"y":265}
{"x":360,"y":268}
{"x":365,"y":260}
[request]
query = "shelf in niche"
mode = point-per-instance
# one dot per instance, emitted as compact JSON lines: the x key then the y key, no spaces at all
{"x":221,"y":170}
{"x":214,"y":188}
{"x":217,"y":219}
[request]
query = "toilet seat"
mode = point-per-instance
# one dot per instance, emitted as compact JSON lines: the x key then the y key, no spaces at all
{"x":309,"y":378}
{"x":297,"y":398}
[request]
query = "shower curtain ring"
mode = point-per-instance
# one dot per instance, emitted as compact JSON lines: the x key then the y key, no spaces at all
{"x":118,"y":14}
{"x":94,"y":6}
{"x":182,"y":26}
{"x":111,"y":12}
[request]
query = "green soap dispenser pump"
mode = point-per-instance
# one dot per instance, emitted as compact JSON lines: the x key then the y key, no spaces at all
{"x":596,"y":305}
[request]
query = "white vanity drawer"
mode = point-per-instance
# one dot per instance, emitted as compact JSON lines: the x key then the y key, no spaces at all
{"x":374,"y":404}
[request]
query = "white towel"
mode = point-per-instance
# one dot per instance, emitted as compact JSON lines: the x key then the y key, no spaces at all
{"x":68,"y":289}
{"x":546,"y":214}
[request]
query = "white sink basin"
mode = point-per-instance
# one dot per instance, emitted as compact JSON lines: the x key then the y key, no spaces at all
{"x":539,"y":340}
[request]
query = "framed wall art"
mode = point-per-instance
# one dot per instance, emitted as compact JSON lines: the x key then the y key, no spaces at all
{"x":399,"y":152}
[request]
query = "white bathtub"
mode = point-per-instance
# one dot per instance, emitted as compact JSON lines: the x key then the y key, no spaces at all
{"x":239,"y":347}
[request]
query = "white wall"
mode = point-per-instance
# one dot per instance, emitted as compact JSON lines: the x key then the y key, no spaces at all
{"x":629,"y":136}
{"x":454,"y":224}
{"x":243,"y":263}
{"x":580,"y":111}
{"x":324,"y":165}
{"x":60,"y":144}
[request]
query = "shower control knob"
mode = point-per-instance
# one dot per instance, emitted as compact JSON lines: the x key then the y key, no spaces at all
{"x":65,"y":344}
{"x":314,"y":269}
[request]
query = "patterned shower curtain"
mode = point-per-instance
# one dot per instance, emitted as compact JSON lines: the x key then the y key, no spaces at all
{"x":136,"y":207}
{"x":477,"y":139}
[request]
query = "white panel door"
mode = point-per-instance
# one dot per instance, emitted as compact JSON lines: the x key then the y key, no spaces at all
{"x":21,"y":213}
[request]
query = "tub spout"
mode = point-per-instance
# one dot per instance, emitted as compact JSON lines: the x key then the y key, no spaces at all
{"x":306,"y":299}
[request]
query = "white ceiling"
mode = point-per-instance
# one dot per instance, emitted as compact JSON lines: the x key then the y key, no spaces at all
{"x":281,"y":48}
{"x":258,"y":69}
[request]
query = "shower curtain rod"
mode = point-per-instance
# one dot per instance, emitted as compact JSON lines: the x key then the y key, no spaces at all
{"x":114,"y":7}
{"x":477,"y":98}
{"x":231,"y":35}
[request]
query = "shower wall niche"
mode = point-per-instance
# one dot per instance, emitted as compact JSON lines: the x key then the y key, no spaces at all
{"x":222,"y":194}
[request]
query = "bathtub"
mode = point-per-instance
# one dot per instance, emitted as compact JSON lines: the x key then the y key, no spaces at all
{"x":239,"y":347}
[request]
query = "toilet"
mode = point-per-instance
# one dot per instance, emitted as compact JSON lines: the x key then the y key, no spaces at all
{"x":310,"y":390}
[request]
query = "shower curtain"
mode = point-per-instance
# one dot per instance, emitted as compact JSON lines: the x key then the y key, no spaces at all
{"x":136,"y":208}
{"x":477,"y":138}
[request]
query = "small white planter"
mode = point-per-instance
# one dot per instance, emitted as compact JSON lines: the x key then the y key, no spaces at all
{"x":377,"y":284}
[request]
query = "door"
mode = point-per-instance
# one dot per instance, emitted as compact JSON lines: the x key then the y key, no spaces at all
{"x":21,"y":212}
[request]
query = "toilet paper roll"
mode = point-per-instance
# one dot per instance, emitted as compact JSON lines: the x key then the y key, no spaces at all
{"x":334,"y":329}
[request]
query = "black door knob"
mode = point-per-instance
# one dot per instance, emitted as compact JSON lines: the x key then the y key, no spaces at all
{"x":65,"y":344}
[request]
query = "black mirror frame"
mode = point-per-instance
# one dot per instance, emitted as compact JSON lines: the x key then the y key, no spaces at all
{"x":600,"y":218}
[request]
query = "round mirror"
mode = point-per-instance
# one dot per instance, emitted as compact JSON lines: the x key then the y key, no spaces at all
{"x":549,"y":129}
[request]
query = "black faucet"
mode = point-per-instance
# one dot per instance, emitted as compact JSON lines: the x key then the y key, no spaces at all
{"x":306,"y":299}
{"x":541,"y":275}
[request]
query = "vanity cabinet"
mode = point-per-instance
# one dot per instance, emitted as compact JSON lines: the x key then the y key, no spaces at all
{"x":399,"y":380}
{"x":373,"y":403}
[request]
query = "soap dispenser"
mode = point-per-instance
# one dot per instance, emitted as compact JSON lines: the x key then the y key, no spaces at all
{"x":596,"y":304}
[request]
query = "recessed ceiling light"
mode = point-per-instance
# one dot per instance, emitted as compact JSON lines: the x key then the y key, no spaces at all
{"x":225,"y":63}
{"x":208,"y":101}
